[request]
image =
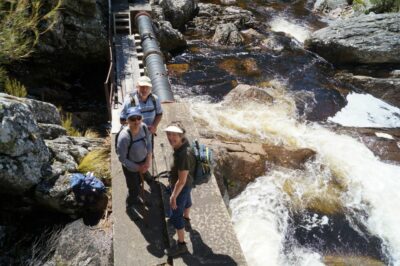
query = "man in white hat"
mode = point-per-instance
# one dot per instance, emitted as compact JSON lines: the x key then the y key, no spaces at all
{"x":149,"y":104}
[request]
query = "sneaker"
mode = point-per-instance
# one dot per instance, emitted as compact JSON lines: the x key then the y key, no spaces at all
{"x":177,"y":250}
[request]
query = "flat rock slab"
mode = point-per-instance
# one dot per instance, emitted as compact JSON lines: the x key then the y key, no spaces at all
{"x":211,"y":237}
{"x":368,"y":39}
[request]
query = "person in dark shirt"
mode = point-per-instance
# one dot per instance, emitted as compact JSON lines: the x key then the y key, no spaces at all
{"x":181,"y":178}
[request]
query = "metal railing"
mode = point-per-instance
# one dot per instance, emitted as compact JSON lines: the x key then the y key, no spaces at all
{"x":110,"y":89}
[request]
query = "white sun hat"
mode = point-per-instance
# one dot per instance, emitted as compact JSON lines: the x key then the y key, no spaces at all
{"x":144,"y":81}
{"x":174,"y":129}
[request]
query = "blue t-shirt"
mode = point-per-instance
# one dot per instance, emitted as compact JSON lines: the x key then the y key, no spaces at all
{"x":147,"y":108}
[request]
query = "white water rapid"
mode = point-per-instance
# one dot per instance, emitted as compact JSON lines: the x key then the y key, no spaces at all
{"x":368,"y":188}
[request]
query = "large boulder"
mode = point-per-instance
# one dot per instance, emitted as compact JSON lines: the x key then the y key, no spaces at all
{"x":170,"y":39}
{"x":79,"y":32}
{"x":79,"y":244}
{"x":386,"y":89}
{"x":239,"y":163}
{"x":23,"y":151}
{"x":227,"y":34}
{"x":210,"y":16}
{"x":243,"y":93}
{"x":369,"y":39}
{"x":179,"y":12}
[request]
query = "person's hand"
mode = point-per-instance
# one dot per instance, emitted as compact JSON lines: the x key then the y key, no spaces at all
{"x":172,"y":202}
{"x":143,"y":168}
{"x":153,"y":129}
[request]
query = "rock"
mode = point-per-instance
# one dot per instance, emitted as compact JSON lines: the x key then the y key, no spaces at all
{"x":79,"y":244}
{"x":395,"y":73}
{"x":80,"y":32}
{"x":245,"y":93}
{"x":383,"y":88}
{"x":333,"y":260}
{"x":239,"y":163}
{"x":228,"y":2}
{"x":227,"y":34}
{"x":369,"y":39}
{"x":51,"y":131}
{"x":240,"y":67}
{"x":383,"y":142}
{"x":62,"y":159}
{"x":179,"y":12}
{"x":177,"y":69}
{"x":211,"y":15}
{"x":327,"y":5}
{"x":56,"y":194}
{"x":23,"y":151}
{"x":170,"y":39}
{"x":44,"y":112}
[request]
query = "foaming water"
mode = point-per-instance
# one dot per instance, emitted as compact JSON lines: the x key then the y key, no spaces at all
{"x":364,"y":110}
{"x":300,"y":33}
{"x":370,"y":193}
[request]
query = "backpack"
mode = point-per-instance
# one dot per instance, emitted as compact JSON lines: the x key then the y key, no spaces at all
{"x":203,"y":168}
{"x":146,"y":133}
{"x":86,"y":187}
{"x":135,"y":101}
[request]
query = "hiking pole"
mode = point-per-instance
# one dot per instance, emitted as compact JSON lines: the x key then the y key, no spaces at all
{"x":142,"y":186}
{"x":165,"y":157}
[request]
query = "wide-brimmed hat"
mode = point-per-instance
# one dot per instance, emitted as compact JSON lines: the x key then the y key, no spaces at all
{"x":174,"y":129}
{"x":144,"y":81}
{"x":134,"y":111}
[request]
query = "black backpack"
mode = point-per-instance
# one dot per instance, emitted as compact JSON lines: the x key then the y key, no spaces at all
{"x":146,"y":133}
{"x":135,"y":102}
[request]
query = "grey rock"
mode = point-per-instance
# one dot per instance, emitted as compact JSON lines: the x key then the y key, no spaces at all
{"x":44,"y":112}
{"x":386,"y":89}
{"x":79,"y":244}
{"x":210,"y":16}
{"x":60,"y":153}
{"x":56,"y":194}
{"x":179,"y":12}
{"x":370,"y":39}
{"x":51,"y":131}
{"x":243,"y":93}
{"x":23,"y":151}
{"x":79,"y":32}
{"x":227,"y":34}
{"x":170,"y":39}
{"x":87,"y":143}
{"x":228,"y":2}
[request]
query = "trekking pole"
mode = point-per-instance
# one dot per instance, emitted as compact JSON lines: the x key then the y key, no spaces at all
{"x":165,"y":157}
{"x":142,"y":186}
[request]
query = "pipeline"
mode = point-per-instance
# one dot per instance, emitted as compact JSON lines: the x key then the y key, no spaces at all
{"x":153,"y":58}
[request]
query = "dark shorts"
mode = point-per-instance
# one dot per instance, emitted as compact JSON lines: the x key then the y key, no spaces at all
{"x":183,"y":201}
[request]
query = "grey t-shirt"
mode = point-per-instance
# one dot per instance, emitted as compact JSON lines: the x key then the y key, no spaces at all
{"x":141,"y":146}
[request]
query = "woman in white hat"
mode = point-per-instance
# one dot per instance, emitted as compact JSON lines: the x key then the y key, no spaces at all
{"x":134,"y":149}
{"x":181,"y":176}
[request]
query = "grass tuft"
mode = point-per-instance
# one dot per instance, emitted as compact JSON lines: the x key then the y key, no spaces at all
{"x":14,"y":87}
{"x":98,"y":162}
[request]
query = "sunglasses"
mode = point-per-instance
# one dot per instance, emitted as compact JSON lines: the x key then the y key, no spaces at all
{"x":134,"y":118}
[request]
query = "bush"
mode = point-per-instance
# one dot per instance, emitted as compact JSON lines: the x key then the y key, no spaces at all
{"x":14,"y":87}
{"x":98,"y":162}
{"x":3,"y":77}
{"x":66,"y":122}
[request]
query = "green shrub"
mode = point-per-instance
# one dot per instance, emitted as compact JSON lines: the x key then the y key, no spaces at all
{"x":98,"y":162}
{"x":66,"y":122}
{"x":14,"y":87}
{"x":3,"y":77}
{"x":19,"y":27}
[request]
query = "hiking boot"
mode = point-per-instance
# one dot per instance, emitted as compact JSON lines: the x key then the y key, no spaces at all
{"x":177,"y":250}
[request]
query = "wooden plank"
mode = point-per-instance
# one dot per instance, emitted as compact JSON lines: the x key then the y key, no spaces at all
{"x":211,"y":238}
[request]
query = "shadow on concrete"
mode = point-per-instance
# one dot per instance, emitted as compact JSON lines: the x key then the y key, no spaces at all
{"x":203,"y":254}
{"x":149,"y":219}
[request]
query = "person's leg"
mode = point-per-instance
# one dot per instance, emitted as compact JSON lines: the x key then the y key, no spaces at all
{"x":133,"y":184}
{"x":186,"y":212}
{"x":179,"y":224}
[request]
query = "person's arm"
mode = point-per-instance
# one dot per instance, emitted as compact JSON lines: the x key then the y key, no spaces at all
{"x":182,"y":177}
{"x":122,"y":151}
{"x":125,"y":107}
{"x":158,"y":117}
{"x":149,"y":148}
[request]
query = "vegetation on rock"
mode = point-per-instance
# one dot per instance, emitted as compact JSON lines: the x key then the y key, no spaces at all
{"x":98,"y":162}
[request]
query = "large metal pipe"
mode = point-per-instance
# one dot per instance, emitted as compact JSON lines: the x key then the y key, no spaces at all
{"x":153,"y":58}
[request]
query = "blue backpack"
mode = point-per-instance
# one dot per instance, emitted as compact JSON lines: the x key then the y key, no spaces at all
{"x":203,"y":169}
{"x":85,"y":187}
